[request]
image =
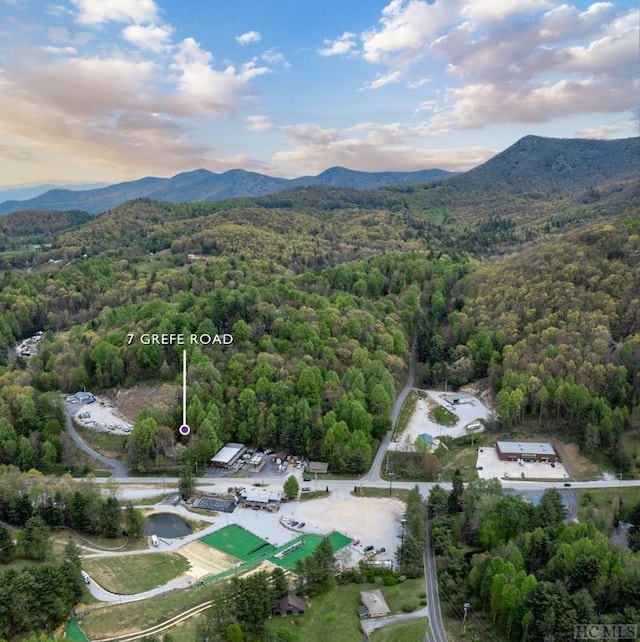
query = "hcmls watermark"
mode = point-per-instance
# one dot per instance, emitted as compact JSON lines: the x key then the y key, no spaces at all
{"x":605,"y":632}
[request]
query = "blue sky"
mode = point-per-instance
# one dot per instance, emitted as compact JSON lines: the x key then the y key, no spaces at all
{"x":109,"y":90}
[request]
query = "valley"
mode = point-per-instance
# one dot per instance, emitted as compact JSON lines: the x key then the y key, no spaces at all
{"x":387,"y":334}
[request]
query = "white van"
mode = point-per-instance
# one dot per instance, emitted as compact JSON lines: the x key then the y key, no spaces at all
{"x":154,"y":541}
{"x":85,"y":577}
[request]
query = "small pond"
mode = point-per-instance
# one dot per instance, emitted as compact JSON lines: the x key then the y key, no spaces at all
{"x":165,"y":525}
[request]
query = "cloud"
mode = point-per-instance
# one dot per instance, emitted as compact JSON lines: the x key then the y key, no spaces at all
{"x":248,"y":37}
{"x":384,"y":79}
{"x":384,"y":147}
{"x":503,"y":60}
{"x":97,"y":12}
{"x":205,"y":91}
{"x":619,"y":129}
{"x":272,"y":57}
{"x":481,"y":104}
{"x":258,"y":123}
{"x":340,"y":46}
{"x":365,"y":156}
{"x":114,"y":106}
{"x":151,"y":37}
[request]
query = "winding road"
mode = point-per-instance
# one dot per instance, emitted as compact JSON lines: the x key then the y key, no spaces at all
{"x":374,"y":471}
{"x":117,"y":468}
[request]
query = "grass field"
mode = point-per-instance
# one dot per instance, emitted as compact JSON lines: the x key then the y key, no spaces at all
{"x":239,"y":542}
{"x":368,"y":491}
{"x":105,"y":443}
{"x":136,"y":616}
{"x":135,"y":573}
{"x":412,"y":631}
{"x":333,"y":616}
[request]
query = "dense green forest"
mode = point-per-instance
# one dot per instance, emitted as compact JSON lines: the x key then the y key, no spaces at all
{"x":522,"y":568}
{"x":324,"y":291}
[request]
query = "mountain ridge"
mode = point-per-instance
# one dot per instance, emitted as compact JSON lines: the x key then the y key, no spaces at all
{"x":204,"y":185}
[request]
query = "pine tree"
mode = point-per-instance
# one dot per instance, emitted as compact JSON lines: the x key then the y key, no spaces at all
{"x":7,"y":547}
{"x":454,"y":503}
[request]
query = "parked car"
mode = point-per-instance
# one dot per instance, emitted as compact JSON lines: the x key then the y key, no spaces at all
{"x":368,"y":549}
{"x":301,"y":524}
{"x":567,"y":484}
{"x":305,"y":489}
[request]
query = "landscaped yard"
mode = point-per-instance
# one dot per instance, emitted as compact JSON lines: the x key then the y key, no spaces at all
{"x":129,"y":574}
{"x":333,"y":616}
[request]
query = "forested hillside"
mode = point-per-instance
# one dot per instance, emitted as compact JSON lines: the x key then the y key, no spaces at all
{"x":556,"y":327}
{"x":324,"y":290}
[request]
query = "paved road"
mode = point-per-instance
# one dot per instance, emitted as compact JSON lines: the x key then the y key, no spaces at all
{"x":437,"y":633}
{"x":118,"y":469}
{"x":374,"y":471}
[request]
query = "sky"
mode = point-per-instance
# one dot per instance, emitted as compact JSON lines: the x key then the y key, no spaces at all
{"x":112,"y":90}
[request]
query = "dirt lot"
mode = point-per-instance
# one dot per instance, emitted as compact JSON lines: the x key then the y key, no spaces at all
{"x":372,"y":521}
{"x":131,"y":401}
{"x":205,"y":561}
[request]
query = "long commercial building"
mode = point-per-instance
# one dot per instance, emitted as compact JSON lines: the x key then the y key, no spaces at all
{"x":526,"y":450}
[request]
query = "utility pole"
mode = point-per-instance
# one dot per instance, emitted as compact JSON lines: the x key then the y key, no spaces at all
{"x":466,"y":606}
{"x":403,"y":522}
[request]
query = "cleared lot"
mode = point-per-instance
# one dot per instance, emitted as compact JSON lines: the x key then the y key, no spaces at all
{"x":467,"y":408}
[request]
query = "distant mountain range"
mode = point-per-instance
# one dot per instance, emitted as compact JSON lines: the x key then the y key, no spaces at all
{"x":203,"y":185}
{"x":534,"y":166}
{"x":31,"y":191}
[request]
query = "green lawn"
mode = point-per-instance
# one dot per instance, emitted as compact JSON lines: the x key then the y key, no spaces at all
{"x":105,"y":443}
{"x":239,"y":542}
{"x":459,"y":454}
{"x":135,"y":573}
{"x":442,"y":416}
{"x":412,"y":631}
{"x":367,"y":491}
{"x":333,"y":616}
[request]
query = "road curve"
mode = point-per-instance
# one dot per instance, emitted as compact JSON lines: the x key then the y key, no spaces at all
{"x":374,"y":471}
{"x":117,"y":468}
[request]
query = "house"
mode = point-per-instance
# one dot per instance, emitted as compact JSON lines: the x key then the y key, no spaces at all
{"x":290,"y":605}
{"x":373,"y":604}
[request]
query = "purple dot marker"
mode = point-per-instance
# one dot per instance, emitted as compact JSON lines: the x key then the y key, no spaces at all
{"x":184,"y":430}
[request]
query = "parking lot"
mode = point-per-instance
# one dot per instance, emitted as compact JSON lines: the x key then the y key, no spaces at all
{"x":489,"y":467}
{"x":466,"y":407}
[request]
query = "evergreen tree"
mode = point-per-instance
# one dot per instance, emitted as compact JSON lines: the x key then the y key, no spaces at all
{"x":109,"y":518}
{"x":133,"y":520}
{"x":455,"y":503}
{"x":550,"y":511}
{"x":36,"y":539}
{"x":187,"y":484}
{"x":7,"y":547}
